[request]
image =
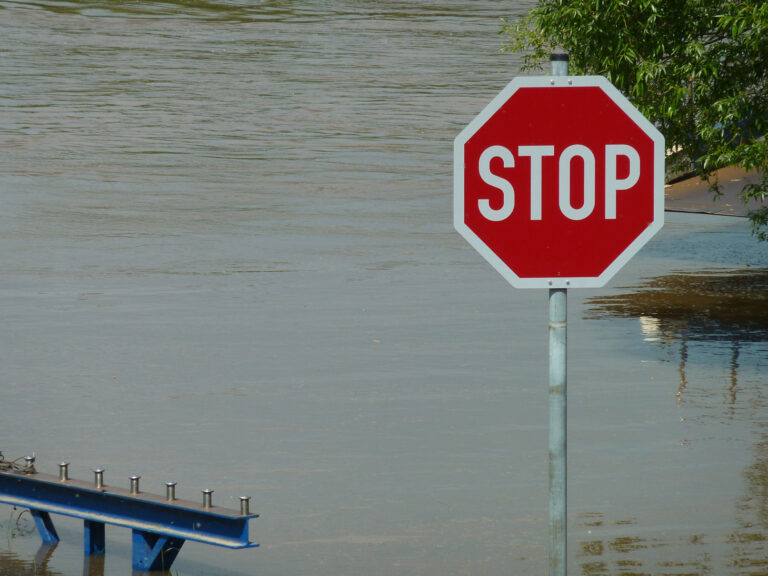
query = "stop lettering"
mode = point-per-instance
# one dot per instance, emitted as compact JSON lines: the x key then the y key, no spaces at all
{"x":612,"y":182}
{"x":559,"y":181}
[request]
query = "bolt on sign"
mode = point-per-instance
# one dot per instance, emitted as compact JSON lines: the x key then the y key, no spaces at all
{"x":559,"y":181}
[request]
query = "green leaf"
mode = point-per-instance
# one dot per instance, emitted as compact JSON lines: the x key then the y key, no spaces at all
{"x":695,"y":68}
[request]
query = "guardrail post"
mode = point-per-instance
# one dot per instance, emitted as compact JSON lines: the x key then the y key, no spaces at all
{"x":153,"y":551}
{"x":45,"y":526}
{"x":94,"y":537}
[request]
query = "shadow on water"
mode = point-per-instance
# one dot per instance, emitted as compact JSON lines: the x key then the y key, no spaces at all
{"x":711,"y":311}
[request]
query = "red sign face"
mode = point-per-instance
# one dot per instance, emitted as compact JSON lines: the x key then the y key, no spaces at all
{"x":559,"y":182}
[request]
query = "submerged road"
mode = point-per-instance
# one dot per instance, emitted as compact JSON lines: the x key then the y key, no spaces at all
{"x":695,"y":195}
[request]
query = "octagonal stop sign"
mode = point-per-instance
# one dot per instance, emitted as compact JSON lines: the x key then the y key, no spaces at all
{"x":559,"y":181}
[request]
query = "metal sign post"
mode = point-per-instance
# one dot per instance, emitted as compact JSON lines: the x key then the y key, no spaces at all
{"x":557,"y":431}
{"x":558,"y":339}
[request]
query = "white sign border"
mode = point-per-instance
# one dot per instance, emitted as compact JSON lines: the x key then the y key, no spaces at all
{"x":659,"y":153}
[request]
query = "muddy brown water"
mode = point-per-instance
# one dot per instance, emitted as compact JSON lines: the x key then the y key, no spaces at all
{"x":228,"y":261}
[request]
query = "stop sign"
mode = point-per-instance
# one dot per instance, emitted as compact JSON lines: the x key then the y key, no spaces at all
{"x":559,"y":181}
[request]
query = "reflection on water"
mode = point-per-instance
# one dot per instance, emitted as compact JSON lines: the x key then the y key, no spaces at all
{"x":718,"y":319}
{"x":13,"y":565}
{"x":638,"y":556}
{"x":19,"y":525}
{"x":621,"y":553}
{"x":727,"y":305}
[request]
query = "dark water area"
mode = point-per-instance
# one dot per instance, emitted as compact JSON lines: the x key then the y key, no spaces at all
{"x":228,"y":261}
{"x":704,"y":305}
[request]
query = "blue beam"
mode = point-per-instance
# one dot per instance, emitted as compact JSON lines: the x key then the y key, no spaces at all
{"x":44,"y":494}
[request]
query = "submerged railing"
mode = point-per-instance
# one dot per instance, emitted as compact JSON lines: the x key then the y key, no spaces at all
{"x":160,"y":524}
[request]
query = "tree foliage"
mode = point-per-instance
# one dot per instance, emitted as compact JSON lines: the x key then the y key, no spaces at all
{"x":697,"y":68}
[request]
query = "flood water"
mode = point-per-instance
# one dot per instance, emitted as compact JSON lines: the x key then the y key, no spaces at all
{"x":228,"y":260}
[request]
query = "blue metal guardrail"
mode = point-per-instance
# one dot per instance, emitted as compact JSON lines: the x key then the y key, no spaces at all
{"x":160,"y":525}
